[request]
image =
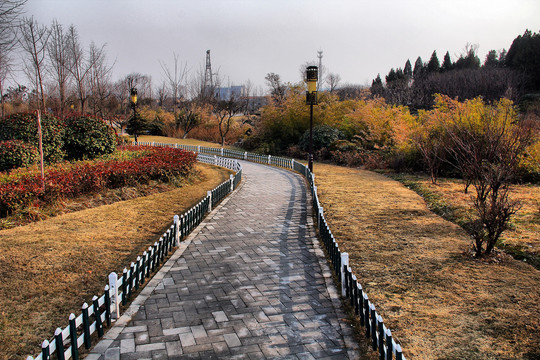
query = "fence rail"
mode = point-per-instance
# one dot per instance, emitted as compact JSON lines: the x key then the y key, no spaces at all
{"x":380,"y":336}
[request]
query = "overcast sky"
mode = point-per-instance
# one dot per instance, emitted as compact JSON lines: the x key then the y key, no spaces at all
{"x":250,"y":38}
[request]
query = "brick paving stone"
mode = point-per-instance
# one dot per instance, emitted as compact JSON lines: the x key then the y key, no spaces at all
{"x":249,"y":285}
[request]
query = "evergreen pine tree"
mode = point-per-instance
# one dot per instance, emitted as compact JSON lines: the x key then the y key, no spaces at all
{"x":447,"y":63}
{"x":491,"y":59}
{"x":524,"y":56}
{"x":418,"y":67}
{"x":377,"y":87}
{"x":433,"y":64}
{"x":407,"y":71}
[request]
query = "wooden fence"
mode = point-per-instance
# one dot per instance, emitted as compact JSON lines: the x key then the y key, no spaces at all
{"x":104,"y":309}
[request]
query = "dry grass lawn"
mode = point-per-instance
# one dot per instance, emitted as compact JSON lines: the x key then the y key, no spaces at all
{"x":439,"y":302}
{"x":522,"y":237}
{"x":50,"y":268}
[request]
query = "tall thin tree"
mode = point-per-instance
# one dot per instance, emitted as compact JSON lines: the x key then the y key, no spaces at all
{"x":175,"y":79}
{"x":59,"y":62}
{"x":33,"y":40}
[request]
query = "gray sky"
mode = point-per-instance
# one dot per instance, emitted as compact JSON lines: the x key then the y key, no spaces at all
{"x":250,"y":38}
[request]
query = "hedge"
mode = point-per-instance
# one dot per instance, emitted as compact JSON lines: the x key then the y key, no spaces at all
{"x":71,"y":180}
{"x":23,"y":126}
{"x":15,"y":154}
{"x":88,"y":137}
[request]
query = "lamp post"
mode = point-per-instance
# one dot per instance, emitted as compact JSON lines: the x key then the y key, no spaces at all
{"x":133,"y":98}
{"x":312,"y":74}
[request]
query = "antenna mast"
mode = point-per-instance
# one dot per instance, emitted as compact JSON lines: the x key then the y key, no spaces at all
{"x":319,"y":55}
{"x":208,"y":81}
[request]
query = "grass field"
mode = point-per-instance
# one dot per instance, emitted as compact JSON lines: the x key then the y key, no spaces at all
{"x":439,"y":302}
{"x":50,"y":268}
{"x":448,"y":199}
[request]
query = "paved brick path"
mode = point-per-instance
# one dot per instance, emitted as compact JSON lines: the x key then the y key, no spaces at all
{"x":251,"y":283}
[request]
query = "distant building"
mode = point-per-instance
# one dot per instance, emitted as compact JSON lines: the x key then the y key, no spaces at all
{"x":225,"y":93}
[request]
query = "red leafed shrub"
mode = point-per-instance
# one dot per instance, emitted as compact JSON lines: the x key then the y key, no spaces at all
{"x":71,"y":180}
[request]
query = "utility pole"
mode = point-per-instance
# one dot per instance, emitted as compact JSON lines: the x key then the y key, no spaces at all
{"x":319,"y":55}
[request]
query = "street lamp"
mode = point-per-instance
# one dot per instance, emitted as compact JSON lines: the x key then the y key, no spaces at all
{"x":133,"y":98}
{"x":312,"y":74}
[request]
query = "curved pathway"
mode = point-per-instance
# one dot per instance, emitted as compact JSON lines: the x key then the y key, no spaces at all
{"x":250,"y":283}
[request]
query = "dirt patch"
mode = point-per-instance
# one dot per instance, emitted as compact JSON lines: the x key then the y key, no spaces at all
{"x":50,"y":268}
{"x":439,"y":302}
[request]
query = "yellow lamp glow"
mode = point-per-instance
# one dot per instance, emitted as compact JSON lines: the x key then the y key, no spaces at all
{"x":134,"y":95}
{"x":312,"y":74}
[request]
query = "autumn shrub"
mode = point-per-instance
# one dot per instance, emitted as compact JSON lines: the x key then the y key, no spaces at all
{"x":323,"y":137}
{"x":88,"y":137}
{"x":351,"y":158}
{"x":485,"y":143}
{"x":529,"y":164}
{"x":15,"y":153}
{"x":23,"y":126}
{"x":71,"y":180}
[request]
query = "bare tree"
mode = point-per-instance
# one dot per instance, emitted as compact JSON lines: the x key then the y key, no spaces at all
{"x":333,"y":81}
{"x":78,"y":66}
{"x":99,"y":78}
{"x":224,"y":110}
{"x":142,"y":82}
{"x":188,"y":118}
{"x":162,"y":94}
{"x":278,"y":90}
{"x":248,"y":88}
{"x":33,"y":40}
{"x":5,"y":70}
{"x":59,"y":62}
{"x":10,"y":10}
{"x":175,"y":79}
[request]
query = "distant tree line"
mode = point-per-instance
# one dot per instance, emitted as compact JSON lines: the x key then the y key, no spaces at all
{"x":509,"y":74}
{"x":66,"y":77}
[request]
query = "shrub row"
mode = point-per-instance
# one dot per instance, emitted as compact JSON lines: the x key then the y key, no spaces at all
{"x":71,"y":180}
{"x":77,"y":137}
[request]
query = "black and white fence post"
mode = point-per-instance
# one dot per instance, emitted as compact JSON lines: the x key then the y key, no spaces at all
{"x":97,"y":316}
{"x":344,"y":262}
{"x":389,"y":345}
{"x":45,"y":352}
{"x":73,"y":337}
{"x":231,"y":177}
{"x":177,"y":230}
{"x":380,"y":329}
{"x":59,"y":342}
{"x":209,"y":194}
{"x":86,"y":326}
